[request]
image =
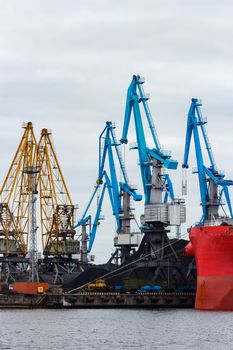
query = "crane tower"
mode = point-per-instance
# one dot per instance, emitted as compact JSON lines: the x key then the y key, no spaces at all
{"x":56,"y":207}
{"x":161,"y":210}
{"x":17,"y":210}
{"x":15,"y":197}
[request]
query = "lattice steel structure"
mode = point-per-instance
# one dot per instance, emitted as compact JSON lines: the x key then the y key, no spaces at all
{"x":15,"y":197}
{"x":56,"y":208}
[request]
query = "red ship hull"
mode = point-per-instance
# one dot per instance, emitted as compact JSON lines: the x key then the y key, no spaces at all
{"x":212,"y":247}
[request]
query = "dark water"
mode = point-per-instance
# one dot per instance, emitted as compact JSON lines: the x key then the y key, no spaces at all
{"x":115,"y":329}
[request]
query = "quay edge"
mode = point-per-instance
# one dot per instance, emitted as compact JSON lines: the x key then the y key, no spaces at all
{"x":99,"y":300}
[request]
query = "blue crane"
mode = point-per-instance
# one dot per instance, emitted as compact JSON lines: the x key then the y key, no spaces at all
{"x":161,"y":208}
{"x":135,"y":98}
{"x":212,"y":184}
{"x":109,"y":181}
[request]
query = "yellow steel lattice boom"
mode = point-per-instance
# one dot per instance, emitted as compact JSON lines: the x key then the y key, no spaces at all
{"x":56,"y":208}
{"x":15,"y":197}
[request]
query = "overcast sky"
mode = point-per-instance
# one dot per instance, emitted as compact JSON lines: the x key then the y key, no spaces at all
{"x":66,"y":65}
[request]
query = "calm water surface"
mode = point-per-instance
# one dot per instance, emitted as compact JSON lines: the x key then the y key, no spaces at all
{"x":115,"y":329}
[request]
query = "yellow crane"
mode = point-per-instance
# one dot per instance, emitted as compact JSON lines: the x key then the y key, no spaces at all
{"x":15,"y":197}
{"x":56,"y":207}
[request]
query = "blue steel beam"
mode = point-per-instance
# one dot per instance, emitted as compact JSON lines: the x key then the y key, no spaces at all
{"x":135,"y":96}
{"x":205,"y":173}
{"x":108,"y":142}
{"x":96,"y":220}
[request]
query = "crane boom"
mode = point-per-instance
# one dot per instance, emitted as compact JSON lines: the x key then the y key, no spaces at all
{"x":151,"y":160}
{"x":135,"y":96}
{"x":108,"y":179}
{"x":15,"y":197}
{"x":56,"y":207}
{"x":211,"y":181}
{"x":161,"y":209}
